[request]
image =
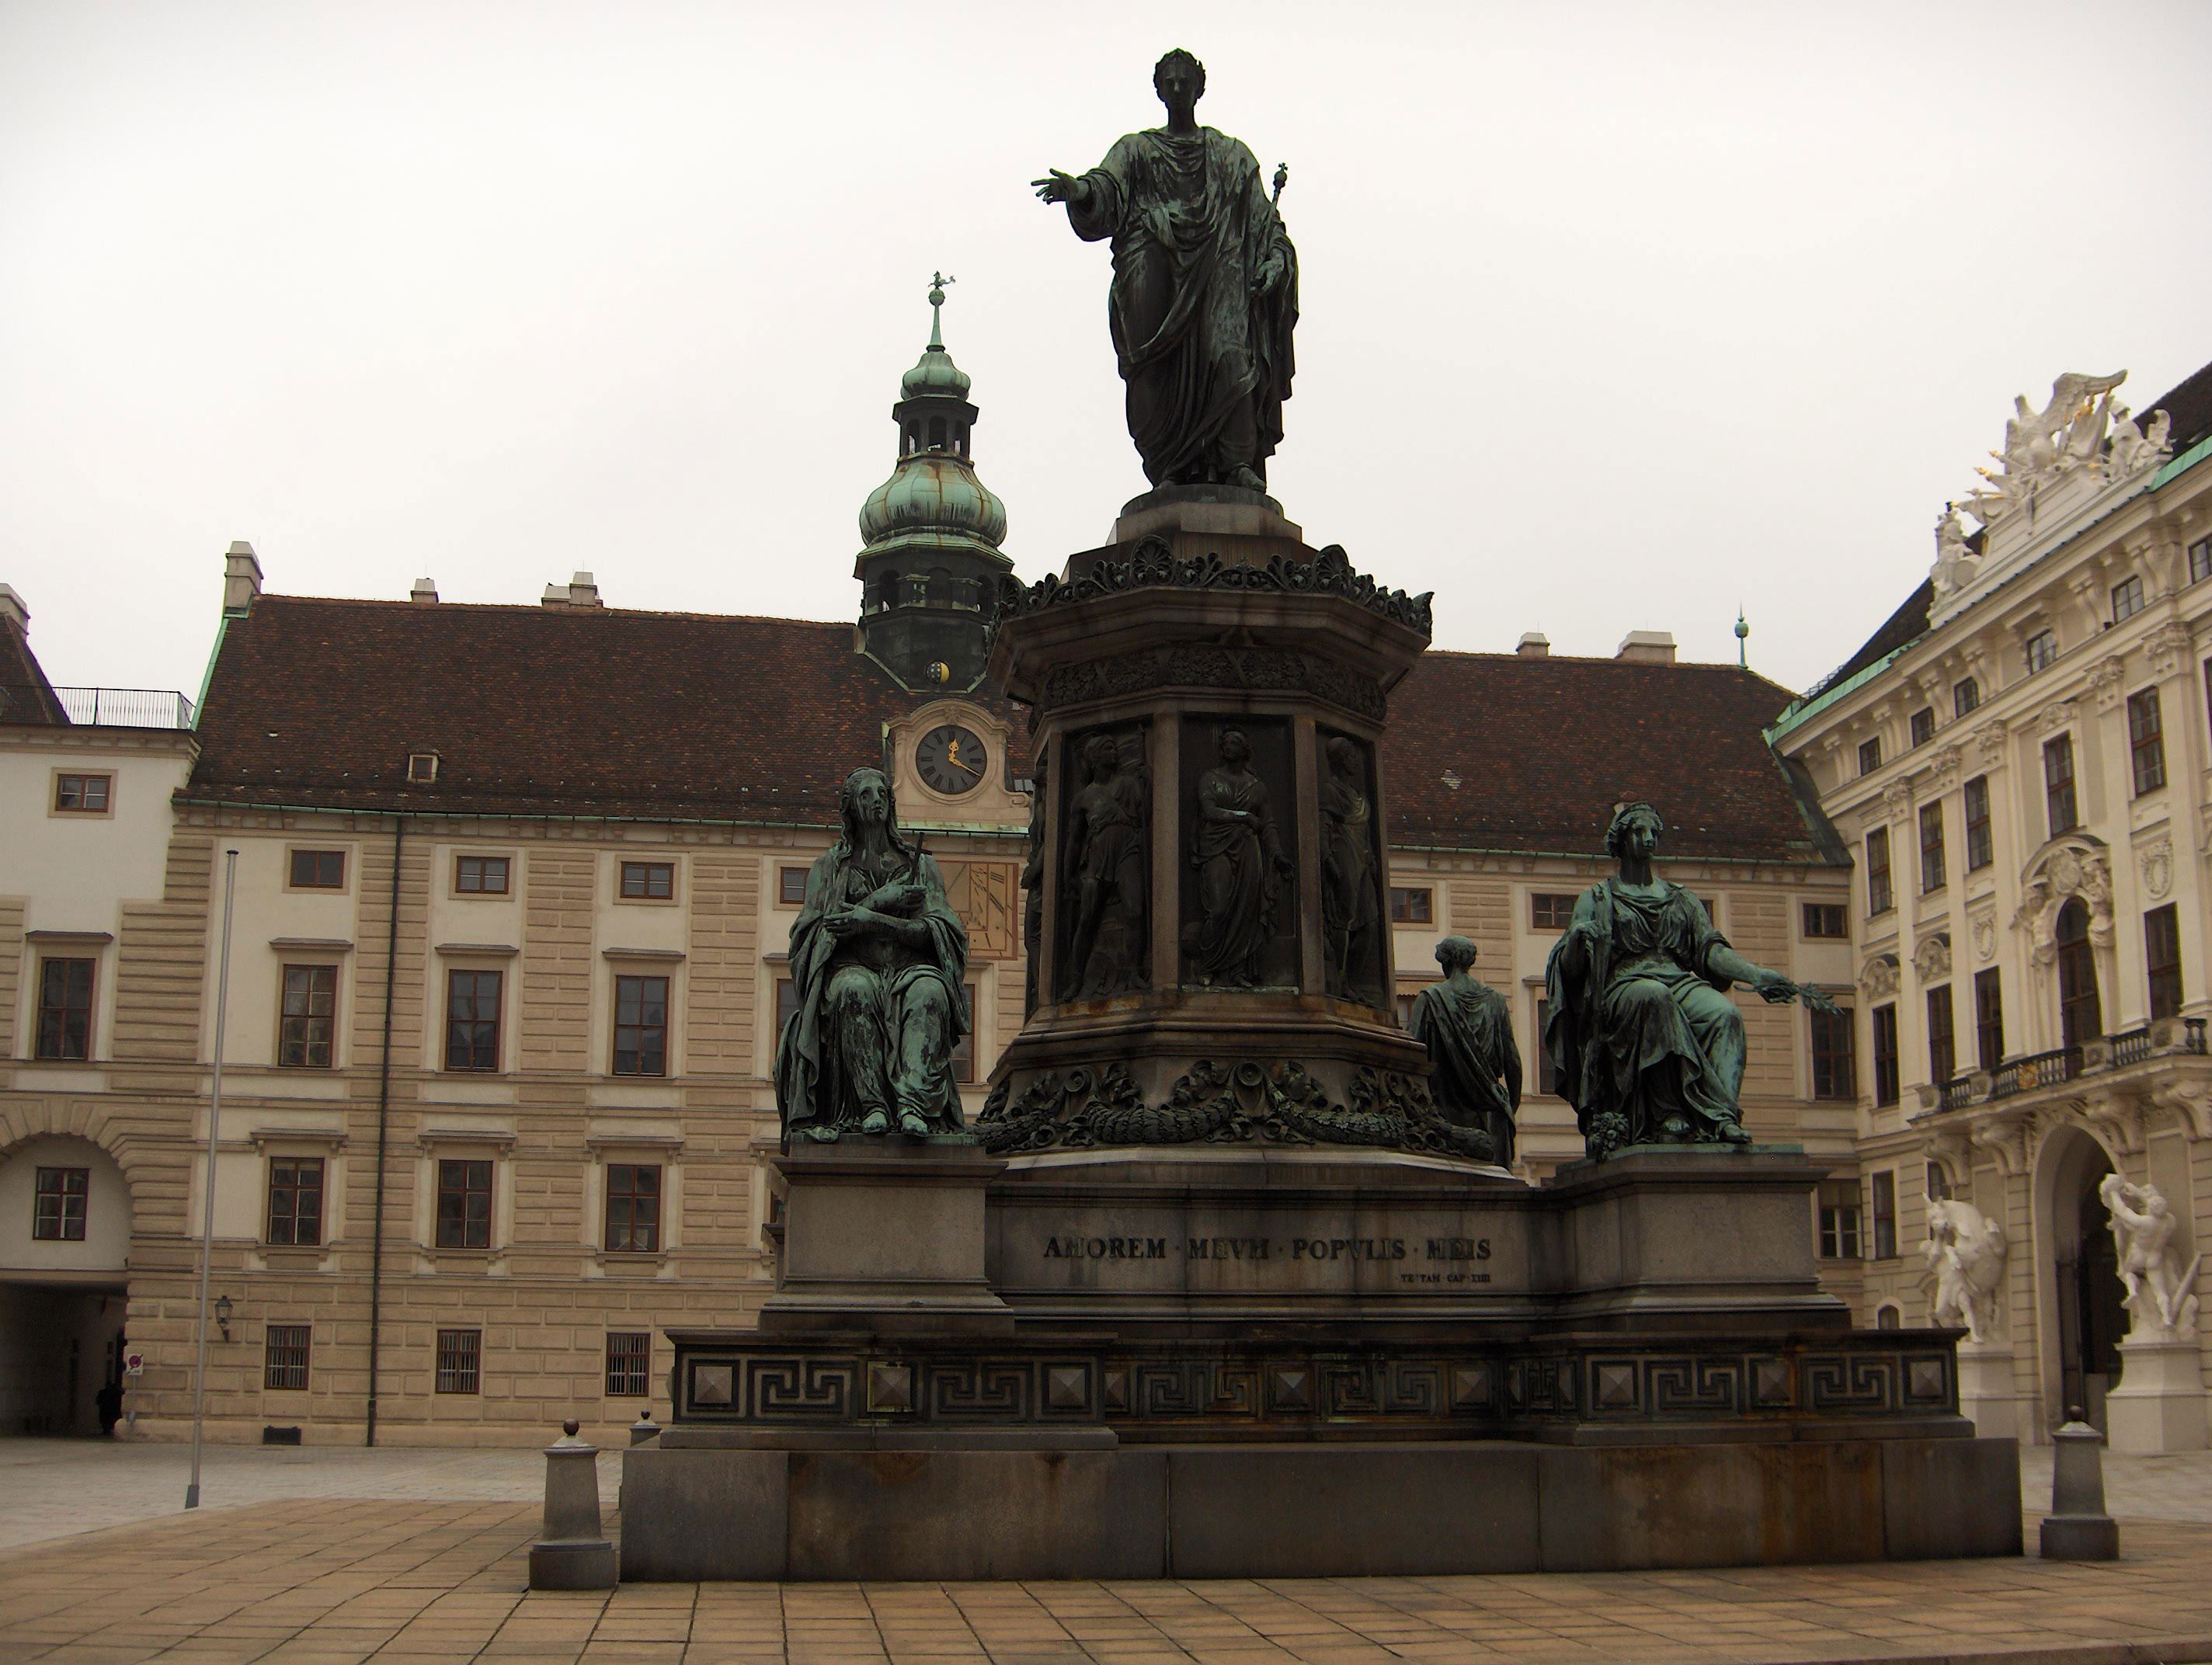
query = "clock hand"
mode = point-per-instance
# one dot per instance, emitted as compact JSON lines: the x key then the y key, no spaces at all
{"x":973,"y":768}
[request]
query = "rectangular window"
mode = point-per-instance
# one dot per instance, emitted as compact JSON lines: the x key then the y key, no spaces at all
{"x":1981,"y":847}
{"x":1885,"y":1054}
{"x":787,"y":1003}
{"x":65,"y":1009}
{"x":1411,"y":904}
{"x":480,"y":875}
{"x":473,"y":1020}
{"x":82,"y":794}
{"x":464,"y":1203}
{"x":1988,"y":1019}
{"x":460,"y":1355}
{"x":1547,"y":1073}
{"x":1405,"y":1009}
{"x":2058,"y":785}
{"x":2127,"y":599}
{"x":2162,"y":958}
{"x":2200,"y":560}
{"x":1942,"y":1038}
{"x":2147,"y":741}
{"x":1835,"y":1055}
{"x":1938,"y":1183}
{"x":791,"y":887}
{"x":295,"y":1200}
{"x":1840,"y":1219}
{"x":285,"y":1358}
{"x":1869,"y":756}
{"x":58,"y":1203}
{"x":964,"y":1049}
{"x":649,"y":881}
{"x":1884,"y":1188}
{"x":641,"y":1026}
{"x":1924,"y":725}
{"x":1549,"y":911}
{"x":1826,"y":919}
{"x":1879,"y":900}
{"x":630,"y":1355}
{"x":633,"y":1208}
{"x":1965,"y":696}
{"x":2042,"y":650}
{"x":310,"y":1017}
{"x":1932,"y":875}
{"x":318,"y":870}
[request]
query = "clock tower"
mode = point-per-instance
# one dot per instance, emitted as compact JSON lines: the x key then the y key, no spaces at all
{"x":930,"y":565}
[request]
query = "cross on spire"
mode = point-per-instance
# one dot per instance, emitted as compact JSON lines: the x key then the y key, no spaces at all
{"x":938,"y":280}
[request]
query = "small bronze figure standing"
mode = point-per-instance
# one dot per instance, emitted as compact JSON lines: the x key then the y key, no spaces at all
{"x":1468,"y":1031}
{"x":1107,"y":874}
{"x":1238,"y":851}
{"x":877,"y":958}
{"x":1205,"y":294}
{"x":1351,"y":916}
{"x":1649,"y":1048}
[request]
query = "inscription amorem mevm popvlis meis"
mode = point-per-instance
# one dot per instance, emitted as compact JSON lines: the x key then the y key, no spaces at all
{"x":1446,"y":1259}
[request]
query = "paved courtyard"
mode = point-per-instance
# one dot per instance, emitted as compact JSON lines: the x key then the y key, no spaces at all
{"x":325,"y":1557}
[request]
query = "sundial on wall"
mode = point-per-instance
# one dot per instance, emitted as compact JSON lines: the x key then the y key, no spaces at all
{"x":951,"y":759}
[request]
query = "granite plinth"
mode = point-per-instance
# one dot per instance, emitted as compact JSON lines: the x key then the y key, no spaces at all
{"x":1272,"y":1511}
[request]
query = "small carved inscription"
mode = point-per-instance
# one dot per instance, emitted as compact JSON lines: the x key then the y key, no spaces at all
{"x":1450,"y":1256}
{"x":1106,"y":1249}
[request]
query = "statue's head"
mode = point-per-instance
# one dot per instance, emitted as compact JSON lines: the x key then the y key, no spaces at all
{"x":1178,"y":79}
{"x":1454,"y":954}
{"x":864,"y":800}
{"x":1236,"y":747}
{"x":1636,"y":830}
{"x":1103,"y":753}
{"x":1343,"y":758}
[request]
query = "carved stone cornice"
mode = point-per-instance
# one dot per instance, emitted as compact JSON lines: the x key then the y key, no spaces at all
{"x":2188,"y":1098}
{"x":2166,"y":647}
{"x":1943,"y":768}
{"x":2055,"y":716}
{"x":2118,"y":1116}
{"x":2002,"y":1130}
{"x":1896,"y":799}
{"x":1154,"y":564}
{"x":1991,"y":741}
{"x":2108,"y":678}
{"x":1951,"y":1149}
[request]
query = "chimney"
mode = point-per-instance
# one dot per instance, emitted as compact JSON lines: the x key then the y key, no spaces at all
{"x":1534,"y":645}
{"x":242,"y":579}
{"x":13,"y":609}
{"x":578,"y":591}
{"x":1647,"y":648}
{"x":425,"y":591}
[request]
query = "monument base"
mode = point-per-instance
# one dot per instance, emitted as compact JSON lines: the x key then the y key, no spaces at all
{"x":938,"y":1512}
{"x":1988,"y":1395}
{"x":2159,"y":1406}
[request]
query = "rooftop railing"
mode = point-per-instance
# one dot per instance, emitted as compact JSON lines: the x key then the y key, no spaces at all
{"x":126,"y":707}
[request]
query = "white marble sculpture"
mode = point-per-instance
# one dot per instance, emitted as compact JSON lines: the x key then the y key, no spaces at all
{"x":2160,"y":1302}
{"x":1955,"y":564}
{"x":2134,"y":448}
{"x":2039,"y":445}
{"x":1965,"y":1254}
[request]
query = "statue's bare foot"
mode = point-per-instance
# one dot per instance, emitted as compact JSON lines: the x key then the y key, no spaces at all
{"x":821,"y":1133}
{"x":1732,"y":1133}
{"x":913,"y":1126}
{"x":1246,"y":479}
{"x":876,"y":1122}
{"x":1675,"y":1127}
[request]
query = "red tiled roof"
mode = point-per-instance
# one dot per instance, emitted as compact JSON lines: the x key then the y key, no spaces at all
{"x":1543,"y":748}
{"x":544,"y":711}
{"x":676,"y":716}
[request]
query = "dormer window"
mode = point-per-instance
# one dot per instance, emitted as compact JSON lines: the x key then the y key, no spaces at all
{"x":422,"y":769}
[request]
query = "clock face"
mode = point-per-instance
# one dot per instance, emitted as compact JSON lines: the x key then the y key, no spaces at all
{"x":951,"y":759}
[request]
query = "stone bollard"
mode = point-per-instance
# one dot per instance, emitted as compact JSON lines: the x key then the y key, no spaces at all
{"x":572,"y":1554}
{"x":644,"y":1428}
{"x":2077,"y":1529}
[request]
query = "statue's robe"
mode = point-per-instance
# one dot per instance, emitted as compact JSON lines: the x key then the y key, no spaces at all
{"x":1207,"y":365}
{"x":1641,"y":1024}
{"x":1349,"y":912}
{"x":874,"y":1021}
{"x":1112,"y":884}
{"x":1468,"y":1030}
{"x":1236,"y":862}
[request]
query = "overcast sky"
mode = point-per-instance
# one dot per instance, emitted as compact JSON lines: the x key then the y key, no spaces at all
{"x":1613,"y":316}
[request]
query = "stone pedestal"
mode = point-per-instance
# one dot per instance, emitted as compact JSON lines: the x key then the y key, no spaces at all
{"x":2159,"y":1406}
{"x":572,"y":1554}
{"x":1988,"y":1395}
{"x":885,"y":1234}
{"x":2078,"y":1529}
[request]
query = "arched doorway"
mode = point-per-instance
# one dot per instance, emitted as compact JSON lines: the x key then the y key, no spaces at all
{"x":64,"y":1245}
{"x":2080,"y":1016}
{"x":2083,"y":1320}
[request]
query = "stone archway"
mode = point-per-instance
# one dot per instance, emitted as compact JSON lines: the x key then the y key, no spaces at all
{"x":2079,"y":1321}
{"x":65,"y":1230}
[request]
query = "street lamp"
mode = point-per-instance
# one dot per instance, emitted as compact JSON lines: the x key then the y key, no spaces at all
{"x":222,"y":1315}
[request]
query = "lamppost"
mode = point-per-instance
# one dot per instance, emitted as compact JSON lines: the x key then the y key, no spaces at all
{"x":207,"y":1209}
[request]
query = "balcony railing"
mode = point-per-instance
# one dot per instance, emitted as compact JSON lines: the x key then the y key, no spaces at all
{"x":2131,"y":1048}
{"x":2038,"y":1069}
{"x":1957,"y":1093}
{"x":126,"y":707}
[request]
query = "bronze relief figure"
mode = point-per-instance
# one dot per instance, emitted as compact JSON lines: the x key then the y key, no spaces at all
{"x":1109,"y":873}
{"x":1237,"y":850}
{"x":1351,"y":916}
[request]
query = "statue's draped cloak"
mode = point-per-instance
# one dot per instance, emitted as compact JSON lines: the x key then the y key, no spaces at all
{"x":807,"y":1061}
{"x":1640,"y":1022}
{"x":1468,"y":1033}
{"x":1235,"y":860}
{"x":1207,"y":364}
{"x":1347,"y":895}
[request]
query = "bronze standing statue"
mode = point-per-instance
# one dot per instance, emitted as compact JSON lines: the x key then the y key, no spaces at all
{"x":1468,"y":1032}
{"x":1205,"y":289}
{"x":1649,"y":1048}
{"x":877,"y":955}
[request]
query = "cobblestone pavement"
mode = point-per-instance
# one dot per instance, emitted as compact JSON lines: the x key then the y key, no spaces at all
{"x":340,"y":1583}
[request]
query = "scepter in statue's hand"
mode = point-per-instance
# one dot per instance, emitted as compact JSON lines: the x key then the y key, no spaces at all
{"x":1282,"y":179}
